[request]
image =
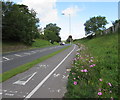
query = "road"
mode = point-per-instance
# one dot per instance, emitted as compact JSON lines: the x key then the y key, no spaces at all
{"x":13,"y":60}
{"x":47,"y":79}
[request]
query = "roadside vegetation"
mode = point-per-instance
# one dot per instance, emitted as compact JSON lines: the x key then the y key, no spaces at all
{"x":95,"y":70}
{"x":9,"y":46}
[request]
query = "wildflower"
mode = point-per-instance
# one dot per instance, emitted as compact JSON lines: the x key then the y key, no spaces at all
{"x":94,"y":64}
{"x":85,"y":70}
{"x":99,"y":89}
{"x":99,"y":93}
{"x":92,"y":57}
{"x":100,"y":79}
{"x":82,"y":70}
{"x":91,"y":65}
{"x":109,"y":84}
{"x":74,"y":78}
{"x":73,"y":73}
{"x":75,"y":83}
{"x":91,"y":60}
{"x":110,"y":91}
{"x":112,"y":98}
{"x":78,"y":76}
{"x":82,"y":66}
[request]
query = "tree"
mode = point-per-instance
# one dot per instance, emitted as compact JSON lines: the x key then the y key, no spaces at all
{"x":95,"y":25}
{"x":51,"y":32}
{"x":19,"y":23}
{"x":69,"y":39}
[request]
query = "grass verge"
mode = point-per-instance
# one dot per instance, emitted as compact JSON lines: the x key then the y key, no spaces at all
{"x":20,"y":69}
{"x":95,"y":70}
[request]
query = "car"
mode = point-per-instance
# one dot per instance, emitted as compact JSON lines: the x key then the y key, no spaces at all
{"x":62,"y":43}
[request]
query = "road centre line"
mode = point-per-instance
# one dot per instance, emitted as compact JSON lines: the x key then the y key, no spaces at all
{"x":45,"y":79}
{"x":17,"y":55}
{"x":6,"y":58}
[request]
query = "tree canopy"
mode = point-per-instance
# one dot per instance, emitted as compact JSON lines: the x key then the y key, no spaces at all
{"x":19,"y":23}
{"x":95,"y":25}
{"x":69,"y":39}
{"x":51,"y":32}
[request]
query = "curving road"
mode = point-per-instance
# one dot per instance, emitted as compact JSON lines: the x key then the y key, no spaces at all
{"x":47,"y":79}
{"x":12,"y":60}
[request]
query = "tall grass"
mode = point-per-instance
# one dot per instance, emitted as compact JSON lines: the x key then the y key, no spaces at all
{"x":95,"y":69}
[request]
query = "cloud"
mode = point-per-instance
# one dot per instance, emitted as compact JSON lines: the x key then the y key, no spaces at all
{"x":46,"y":11}
{"x":71,"y":10}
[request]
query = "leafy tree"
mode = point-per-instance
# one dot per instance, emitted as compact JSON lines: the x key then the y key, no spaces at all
{"x":95,"y":25}
{"x":69,"y":39}
{"x":19,"y":23}
{"x":51,"y":32}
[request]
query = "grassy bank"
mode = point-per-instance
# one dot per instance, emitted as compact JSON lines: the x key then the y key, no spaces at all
{"x":8,"y":46}
{"x":95,"y":70}
{"x":20,"y":69}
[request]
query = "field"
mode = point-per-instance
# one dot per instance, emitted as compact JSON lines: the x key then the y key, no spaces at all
{"x":95,"y":69}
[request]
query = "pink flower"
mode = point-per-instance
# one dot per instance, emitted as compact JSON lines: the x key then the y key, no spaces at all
{"x":91,"y":60}
{"x":75,"y":83}
{"x":99,"y":93}
{"x":82,"y":70}
{"x":94,"y":64}
{"x":82,"y":66}
{"x":100,"y":79}
{"x":91,"y":65}
{"x":78,"y":76}
{"x":112,"y":98}
{"x":99,"y":89}
{"x":85,"y":70}
{"x":92,"y":57}
{"x":109,"y":84}
{"x":110,"y":91}
{"x":74,"y":78}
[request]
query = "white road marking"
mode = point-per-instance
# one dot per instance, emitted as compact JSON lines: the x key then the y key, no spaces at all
{"x":17,"y":55}
{"x":44,"y":80}
{"x":20,"y":82}
{"x":27,"y":53}
{"x":6,"y":58}
{"x":33,"y":51}
{"x":9,"y":94}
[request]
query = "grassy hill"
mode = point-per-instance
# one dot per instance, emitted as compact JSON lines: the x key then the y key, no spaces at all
{"x":9,"y":46}
{"x":95,"y":70}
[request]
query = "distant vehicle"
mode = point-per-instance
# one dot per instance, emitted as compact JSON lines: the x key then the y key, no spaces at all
{"x":62,"y":43}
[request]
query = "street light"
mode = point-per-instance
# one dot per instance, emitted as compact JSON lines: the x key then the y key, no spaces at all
{"x":69,"y":24}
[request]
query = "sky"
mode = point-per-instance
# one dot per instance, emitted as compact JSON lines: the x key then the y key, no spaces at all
{"x":76,"y":13}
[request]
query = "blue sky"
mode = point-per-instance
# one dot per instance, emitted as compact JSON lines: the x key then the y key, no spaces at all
{"x":51,"y":12}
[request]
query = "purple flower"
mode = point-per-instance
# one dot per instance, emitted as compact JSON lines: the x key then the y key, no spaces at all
{"x":99,"y":93}
{"x":75,"y":83}
{"x":109,"y":84}
{"x":85,"y":70}
{"x":74,"y":78}
{"x":100,"y":79}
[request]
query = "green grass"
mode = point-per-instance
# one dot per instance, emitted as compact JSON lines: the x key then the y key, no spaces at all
{"x":20,"y":69}
{"x":103,"y":52}
{"x":10,"y":46}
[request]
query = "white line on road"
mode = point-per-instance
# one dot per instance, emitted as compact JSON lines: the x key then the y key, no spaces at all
{"x":19,"y":82}
{"x":43,"y":81}
{"x":17,"y":55}
{"x":6,"y":58}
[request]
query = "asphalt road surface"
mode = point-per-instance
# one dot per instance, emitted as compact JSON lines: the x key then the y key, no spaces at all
{"x":47,"y":79}
{"x":12,"y":60}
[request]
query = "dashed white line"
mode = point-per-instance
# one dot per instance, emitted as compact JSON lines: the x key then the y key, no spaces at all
{"x":44,"y":80}
{"x":6,"y":58}
{"x":17,"y":55}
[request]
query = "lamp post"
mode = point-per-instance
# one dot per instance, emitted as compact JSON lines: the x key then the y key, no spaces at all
{"x":69,"y":25}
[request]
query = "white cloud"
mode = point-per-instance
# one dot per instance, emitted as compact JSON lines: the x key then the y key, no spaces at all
{"x":46,"y":10}
{"x":71,"y":10}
